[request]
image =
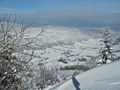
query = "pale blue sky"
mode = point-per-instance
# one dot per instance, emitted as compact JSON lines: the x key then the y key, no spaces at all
{"x":41,"y":5}
{"x":65,"y":12}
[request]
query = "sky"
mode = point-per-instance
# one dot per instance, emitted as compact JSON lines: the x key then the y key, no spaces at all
{"x":66,"y":12}
{"x":50,"y":5}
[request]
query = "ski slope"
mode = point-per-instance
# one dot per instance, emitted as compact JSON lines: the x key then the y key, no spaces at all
{"x":105,"y":77}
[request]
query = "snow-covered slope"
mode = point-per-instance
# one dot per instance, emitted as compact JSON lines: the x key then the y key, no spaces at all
{"x":57,"y":35}
{"x":59,"y":47}
{"x":60,"y":35}
{"x":67,"y":43}
{"x":117,"y":41}
{"x":105,"y":77}
{"x":65,"y":46}
{"x":58,"y":42}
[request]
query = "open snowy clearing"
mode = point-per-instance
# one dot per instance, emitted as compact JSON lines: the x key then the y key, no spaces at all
{"x":105,"y":77}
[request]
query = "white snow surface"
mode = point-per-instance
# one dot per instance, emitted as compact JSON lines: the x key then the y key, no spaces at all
{"x":56,"y":40}
{"x":105,"y":77}
{"x":58,"y":35}
{"x":68,"y":43}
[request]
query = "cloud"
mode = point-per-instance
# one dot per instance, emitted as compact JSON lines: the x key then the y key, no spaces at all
{"x":8,"y":10}
{"x":73,"y":18}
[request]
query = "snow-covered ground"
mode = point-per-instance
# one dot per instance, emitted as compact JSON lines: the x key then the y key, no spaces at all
{"x":56,"y":35}
{"x":67,"y":43}
{"x":71,"y":45}
{"x":79,"y":49}
{"x":59,"y":47}
{"x":105,"y":77}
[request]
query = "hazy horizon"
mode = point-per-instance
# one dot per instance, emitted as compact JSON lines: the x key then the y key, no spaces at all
{"x":77,"y":13}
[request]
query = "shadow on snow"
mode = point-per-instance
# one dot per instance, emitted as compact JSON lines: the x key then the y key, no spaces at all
{"x":75,"y":83}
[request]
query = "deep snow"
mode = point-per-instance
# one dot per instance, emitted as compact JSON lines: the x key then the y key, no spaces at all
{"x":58,"y":42}
{"x":104,"y":77}
{"x":67,"y":43}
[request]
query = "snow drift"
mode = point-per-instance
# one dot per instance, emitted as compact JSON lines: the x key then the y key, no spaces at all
{"x":105,"y":77}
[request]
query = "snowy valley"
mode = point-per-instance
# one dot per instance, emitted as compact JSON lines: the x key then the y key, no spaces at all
{"x":59,"y":44}
{"x":52,"y":57}
{"x":70,"y":51}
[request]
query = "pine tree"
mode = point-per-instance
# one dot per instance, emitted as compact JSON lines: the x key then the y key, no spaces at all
{"x":106,"y":51}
